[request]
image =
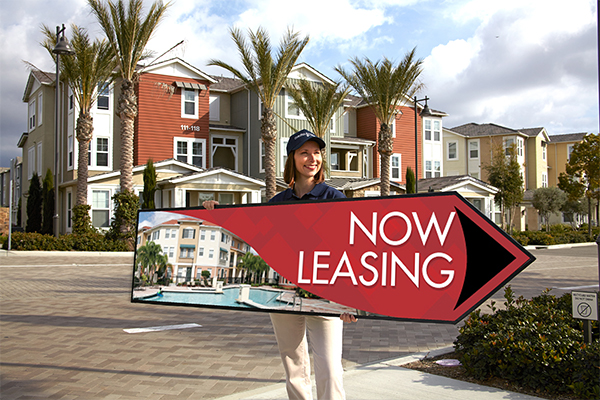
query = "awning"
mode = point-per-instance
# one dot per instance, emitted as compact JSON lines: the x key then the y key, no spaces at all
{"x":190,"y":85}
{"x":224,"y":250}
{"x":187,"y":246}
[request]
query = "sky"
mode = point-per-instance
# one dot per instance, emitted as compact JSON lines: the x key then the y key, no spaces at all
{"x":519,"y":64}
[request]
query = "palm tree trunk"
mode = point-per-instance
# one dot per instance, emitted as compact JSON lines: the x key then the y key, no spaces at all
{"x":127,"y":111}
{"x":385,"y":150}
{"x":84,"y":132}
{"x":268,"y":131}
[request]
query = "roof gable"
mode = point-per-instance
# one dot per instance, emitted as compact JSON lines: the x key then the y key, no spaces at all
{"x":458,"y":183}
{"x":217,"y":176}
{"x":165,"y":166}
{"x":305,"y":71}
{"x":179,"y":68}
{"x":36,"y":79}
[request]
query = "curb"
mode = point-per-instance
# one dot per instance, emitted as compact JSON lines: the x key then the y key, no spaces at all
{"x":558,"y":246}
{"x":16,"y":253}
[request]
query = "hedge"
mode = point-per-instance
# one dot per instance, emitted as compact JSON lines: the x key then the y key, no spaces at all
{"x":92,"y":241}
{"x":558,"y":234}
{"x":535,"y":343}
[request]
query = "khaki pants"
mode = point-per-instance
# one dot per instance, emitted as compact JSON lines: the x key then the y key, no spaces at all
{"x":325,"y":336}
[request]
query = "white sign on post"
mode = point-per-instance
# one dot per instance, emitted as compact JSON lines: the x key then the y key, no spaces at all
{"x":585,"y":305}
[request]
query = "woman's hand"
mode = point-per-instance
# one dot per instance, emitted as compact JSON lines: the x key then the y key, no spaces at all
{"x":210,"y":204}
{"x":347,"y":317}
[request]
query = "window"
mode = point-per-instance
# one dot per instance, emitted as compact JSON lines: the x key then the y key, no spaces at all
{"x":100,"y":208}
{"x":203,"y":234}
{"x":211,"y":253}
{"x":156,"y":235}
{"x":32,"y":112}
{"x":452,"y":151}
{"x":433,"y":169}
{"x":544,"y":179}
{"x":214,"y":109}
{"x":473,"y":149}
{"x":171,"y":252}
{"x":291,"y":109}
{"x":38,"y":167}
{"x":226,"y":198}
{"x":224,"y":152}
{"x":570,"y":149}
{"x":102,"y":152}
{"x":395,"y":168}
{"x":346,"y":119}
{"x":520,"y":145}
{"x":189,"y":103}
{"x":283,"y":149}
{"x":262,"y":156}
{"x":212,"y":236}
{"x":186,"y":252}
{"x":103,"y":100}
{"x":70,"y":152}
{"x":433,"y":130}
{"x":427,"y":124}
{"x":30,"y":162}
{"x":98,"y":153}
{"x":508,"y":143}
{"x":189,"y":233}
{"x":201,"y":252}
{"x":71,"y":101}
{"x":40,"y":106}
{"x":167,"y":232}
{"x":334,"y":161}
{"x":190,"y":151}
{"x":544,"y":151}
{"x":69,"y":210}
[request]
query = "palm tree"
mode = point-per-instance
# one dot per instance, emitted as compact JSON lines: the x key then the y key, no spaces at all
{"x":151,"y":260}
{"x":318,"y":102}
{"x":128,"y":33}
{"x":265,"y":76}
{"x":87,"y":73}
{"x":385,"y":86}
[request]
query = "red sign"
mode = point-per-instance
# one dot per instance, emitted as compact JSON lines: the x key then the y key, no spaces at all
{"x":427,"y":257}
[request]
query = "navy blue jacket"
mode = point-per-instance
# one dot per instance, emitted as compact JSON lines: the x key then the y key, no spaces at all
{"x":319,"y":192}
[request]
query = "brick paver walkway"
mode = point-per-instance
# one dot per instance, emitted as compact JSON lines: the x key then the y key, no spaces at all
{"x":61,"y":332}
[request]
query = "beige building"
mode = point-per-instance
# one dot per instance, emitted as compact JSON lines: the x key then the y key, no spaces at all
{"x":559,"y":152}
{"x":469,"y":149}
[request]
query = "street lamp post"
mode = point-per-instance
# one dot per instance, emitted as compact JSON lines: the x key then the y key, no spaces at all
{"x":62,"y":48}
{"x":424,"y":113}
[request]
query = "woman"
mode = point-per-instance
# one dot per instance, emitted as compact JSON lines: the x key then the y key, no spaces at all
{"x":304,"y":174}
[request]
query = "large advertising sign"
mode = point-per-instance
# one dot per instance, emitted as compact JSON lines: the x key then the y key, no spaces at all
{"x":431,"y":257}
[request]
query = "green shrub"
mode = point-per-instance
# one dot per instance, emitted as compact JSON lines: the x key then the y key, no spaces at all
{"x":535,"y":343}
{"x":93,"y":241}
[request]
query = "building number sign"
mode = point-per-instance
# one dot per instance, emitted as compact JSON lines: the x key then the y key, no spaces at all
{"x":193,"y":128}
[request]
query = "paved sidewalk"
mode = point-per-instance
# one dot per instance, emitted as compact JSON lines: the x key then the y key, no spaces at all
{"x":62,"y":321}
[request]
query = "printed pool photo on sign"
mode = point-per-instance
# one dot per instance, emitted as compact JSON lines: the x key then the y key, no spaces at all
{"x":427,"y":257}
{"x":181,"y":260}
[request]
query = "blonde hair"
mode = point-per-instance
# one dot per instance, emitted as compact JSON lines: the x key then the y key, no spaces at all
{"x":289,"y":172}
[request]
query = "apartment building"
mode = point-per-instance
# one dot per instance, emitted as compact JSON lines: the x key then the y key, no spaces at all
{"x":193,"y":245}
{"x":203,"y":132}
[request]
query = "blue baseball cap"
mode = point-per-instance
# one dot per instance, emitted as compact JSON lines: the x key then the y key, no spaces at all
{"x":299,"y":138}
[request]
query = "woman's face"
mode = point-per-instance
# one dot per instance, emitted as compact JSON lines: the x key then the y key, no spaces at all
{"x":308,"y":160}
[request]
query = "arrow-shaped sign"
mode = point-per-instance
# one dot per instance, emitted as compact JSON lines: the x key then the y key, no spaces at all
{"x":428,"y":257}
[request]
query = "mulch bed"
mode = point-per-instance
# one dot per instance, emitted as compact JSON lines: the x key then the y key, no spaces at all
{"x":430,"y":366}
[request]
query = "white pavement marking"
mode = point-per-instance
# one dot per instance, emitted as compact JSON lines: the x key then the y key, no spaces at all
{"x":576,"y":287}
{"x":161,"y":328}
